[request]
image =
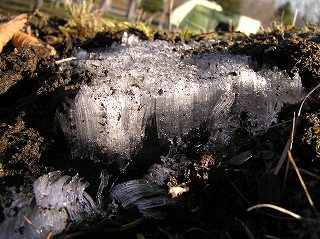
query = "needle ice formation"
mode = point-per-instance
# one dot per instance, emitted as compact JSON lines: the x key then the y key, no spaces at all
{"x":56,"y":202}
{"x":128,"y":87}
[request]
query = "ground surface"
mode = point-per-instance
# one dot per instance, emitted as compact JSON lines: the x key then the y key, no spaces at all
{"x":32,"y":88}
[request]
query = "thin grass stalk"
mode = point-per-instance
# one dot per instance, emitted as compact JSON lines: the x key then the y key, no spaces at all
{"x":300,"y":178}
{"x":280,"y":209}
{"x":290,"y":148}
{"x":295,"y":17}
{"x":287,"y":147}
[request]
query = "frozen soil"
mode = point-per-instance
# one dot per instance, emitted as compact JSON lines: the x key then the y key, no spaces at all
{"x":31,"y":143}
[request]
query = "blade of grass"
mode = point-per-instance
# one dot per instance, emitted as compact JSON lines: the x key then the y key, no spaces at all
{"x":30,"y":223}
{"x":293,"y":130}
{"x":295,"y":17}
{"x":286,"y":148}
{"x":282,"y":158}
{"x":49,"y":235}
{"x":250,"y":204}
{"x":306,"y":172}
{"x":307,"y":96}
{"x":280,"y":209}
{"x":247,"y":230}
{"x":300,"y":178}
{"x":65,"y":60}
{"x":289,"y":142}
{"x":290,"y":148}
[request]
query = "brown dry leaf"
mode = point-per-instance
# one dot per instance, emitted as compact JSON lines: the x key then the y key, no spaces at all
{"x":20,"y":39}
{"x":8,"y":29}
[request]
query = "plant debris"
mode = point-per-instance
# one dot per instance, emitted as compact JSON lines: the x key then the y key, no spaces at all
{"x":11,"y":31}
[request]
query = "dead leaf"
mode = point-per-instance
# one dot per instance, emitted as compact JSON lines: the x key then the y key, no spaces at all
{"x":21,"y":39}
{"x":8,"y":29}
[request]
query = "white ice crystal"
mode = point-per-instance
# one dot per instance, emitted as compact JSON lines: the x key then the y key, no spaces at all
{"x":56,"y":201}
{"x":128,"y":87}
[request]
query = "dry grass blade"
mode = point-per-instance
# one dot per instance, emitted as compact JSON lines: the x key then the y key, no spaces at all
{"x":280,"y":209}
{"x":49,"y":235}
{"x":293,"y":130}
{"x":288,"y":147}
{"x":30,"y":223}
{"x":306,"y":172}
{"x":290,"y":140}
{"x":66,"y":60}
{"x":307,"y":96}
{"x":246,"y":228}
{"x":300,"y":178}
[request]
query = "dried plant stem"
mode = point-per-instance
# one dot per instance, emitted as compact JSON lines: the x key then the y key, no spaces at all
{"x":290,"y":143}
{"x":295,"y":17}
{"x":280,"y":209}
{"x":300,"y":178}
{"x":30,"y":223}
{"x":290,"y":140}
{"x":66,"y":60}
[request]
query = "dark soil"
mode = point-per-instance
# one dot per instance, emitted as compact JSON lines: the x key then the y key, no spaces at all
{"x":221,"y":190}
